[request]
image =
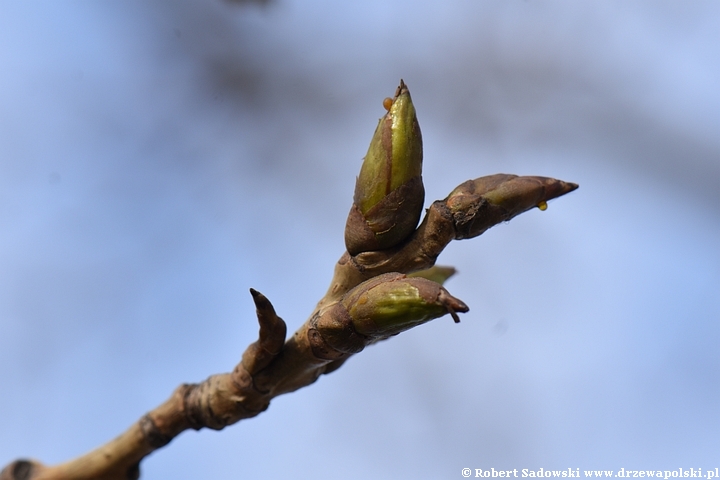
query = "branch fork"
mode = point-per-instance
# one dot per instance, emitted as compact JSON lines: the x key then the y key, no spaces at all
{"x":385,"y":283}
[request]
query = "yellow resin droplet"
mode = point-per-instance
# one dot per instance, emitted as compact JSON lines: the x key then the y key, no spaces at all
{"x":387,"y":103}
{"x":542,"y":206}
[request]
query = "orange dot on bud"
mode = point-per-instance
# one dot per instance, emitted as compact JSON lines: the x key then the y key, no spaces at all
{"x":387,"y":103}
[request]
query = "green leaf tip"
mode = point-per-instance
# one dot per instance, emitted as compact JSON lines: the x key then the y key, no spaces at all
{"x":436,"y":273}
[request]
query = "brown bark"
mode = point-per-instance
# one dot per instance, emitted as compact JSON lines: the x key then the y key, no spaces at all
{"x":272,"y":366}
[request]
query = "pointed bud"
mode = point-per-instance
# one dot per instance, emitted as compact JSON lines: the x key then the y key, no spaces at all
{"x":391,"y":303}
{"x":271,"y":337}
{"x":376,"y":309}
{"x":477,"y":205}
{"x":389,"y":192}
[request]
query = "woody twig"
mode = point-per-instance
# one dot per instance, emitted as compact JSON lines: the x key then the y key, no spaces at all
{"x":385,"y":283}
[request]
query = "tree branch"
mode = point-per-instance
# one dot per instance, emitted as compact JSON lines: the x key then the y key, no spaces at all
{"x":370,"y":298}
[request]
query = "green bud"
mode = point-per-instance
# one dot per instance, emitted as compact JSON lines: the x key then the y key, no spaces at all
{"x":389,"y":193}
{"x":477,"y":205}
{"x":376,"y":309}
{"x":391,"y":303}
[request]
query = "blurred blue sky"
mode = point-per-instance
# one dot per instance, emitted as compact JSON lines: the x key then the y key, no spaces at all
{"x":157,"y":159}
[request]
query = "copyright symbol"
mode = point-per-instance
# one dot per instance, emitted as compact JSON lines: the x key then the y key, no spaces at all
{"x":466,"y":472}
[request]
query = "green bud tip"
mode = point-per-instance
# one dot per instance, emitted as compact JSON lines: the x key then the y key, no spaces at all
{"x":395,"y":152}
{"x":389,"y":193}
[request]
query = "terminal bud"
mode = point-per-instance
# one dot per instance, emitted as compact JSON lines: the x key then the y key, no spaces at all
{"x":389,"y":192}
